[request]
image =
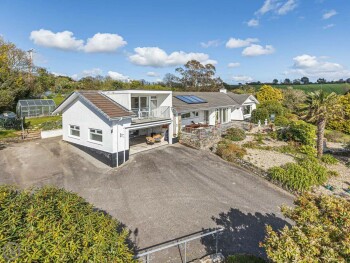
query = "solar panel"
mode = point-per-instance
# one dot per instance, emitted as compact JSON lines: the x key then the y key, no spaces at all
{"x":190,"y":99}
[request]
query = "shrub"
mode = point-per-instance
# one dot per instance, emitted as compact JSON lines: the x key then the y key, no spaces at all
{"x":235,"y":134}
{"x":53,"y":225}
{"x":320,"y":232}
{"x":244,"y":259}
{"x":260,"y":114}
{"x":334,"y":136}
{"x":299,"y":131}
{"x":332,"y":173}
{"x":308,"y":150}
{"x":329,"y":159}
{"x":281,"y":121}
{"x":230,"y":151}
{"x":268,"y":93}
{"x":300,"y":176}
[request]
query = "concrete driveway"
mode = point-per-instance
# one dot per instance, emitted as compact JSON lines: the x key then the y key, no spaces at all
{"x":160,"y":194}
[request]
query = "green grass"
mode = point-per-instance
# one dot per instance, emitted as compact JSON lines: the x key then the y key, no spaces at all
{"x":339,"y":88}
{"x":58,"y":99}
{"x":244,"y":259}
{"x":4,"y":134}
{"x":32,"y":122}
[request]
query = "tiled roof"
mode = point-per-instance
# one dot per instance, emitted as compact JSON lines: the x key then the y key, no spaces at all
{"x":106,"y":105}
{"x":214,"y":100}
{"x":239,"y":98}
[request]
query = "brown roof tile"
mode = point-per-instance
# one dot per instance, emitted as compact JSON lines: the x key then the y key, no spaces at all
{"x":109,"y":107}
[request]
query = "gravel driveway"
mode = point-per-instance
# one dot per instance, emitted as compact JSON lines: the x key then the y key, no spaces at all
{"x":159,"y":195}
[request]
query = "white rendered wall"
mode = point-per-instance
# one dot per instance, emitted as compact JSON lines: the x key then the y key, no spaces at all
{"x":51,"y":133}
{"x":123,"y":99}
{"x":83,"y":115}
{"x":237,"y":114}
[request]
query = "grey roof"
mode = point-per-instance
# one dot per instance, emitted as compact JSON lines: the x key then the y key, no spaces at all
{"x":214,"y":100}
{"x":239,"y":98}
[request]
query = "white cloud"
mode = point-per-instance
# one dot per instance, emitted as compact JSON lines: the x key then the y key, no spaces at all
{"x":279,"y":7}
{"x":312,"y":66}
{"x":242,"y":78}
{"x":152,"y":74}
{"x":60,"y":40}
{"x":104,"y":42}
{"x":237,"y":43}
{"x":329,"y":14}
{"x":233,"y":64}
{"x":211,"y":43}
{"x":65,"y":40}
{"x":157,"y":57}
{"x":88,"y":73}
{"x":287,"y":7}
{"x":257,"y":50}
{"x":117,"y":76}
{"x":328,"y":26}
{"x":253,"y":22}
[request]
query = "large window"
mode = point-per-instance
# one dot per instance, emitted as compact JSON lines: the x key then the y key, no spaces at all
{"x":74,"y":130}
{"x":247,"y":109}
{"x":186,"y":115}
{"x":96,"y":135}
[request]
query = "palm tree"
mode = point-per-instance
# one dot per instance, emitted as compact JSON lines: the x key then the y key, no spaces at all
{"x":320,"y":107}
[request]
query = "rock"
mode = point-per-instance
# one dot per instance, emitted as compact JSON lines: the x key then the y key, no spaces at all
{"x":214,"y":258}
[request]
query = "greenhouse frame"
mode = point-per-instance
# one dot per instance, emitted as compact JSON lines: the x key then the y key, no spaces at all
{"x":35,"y":108}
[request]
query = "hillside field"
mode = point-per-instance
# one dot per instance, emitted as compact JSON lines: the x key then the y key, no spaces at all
{"x":339,"y":88}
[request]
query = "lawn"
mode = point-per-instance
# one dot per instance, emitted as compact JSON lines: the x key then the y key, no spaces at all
{"x":4,"y":134}
{"x":44,"y":123}
{"x":58,"y":99}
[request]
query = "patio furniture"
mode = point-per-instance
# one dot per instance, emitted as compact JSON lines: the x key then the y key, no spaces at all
{"x":150,"y":140}
{"x":157,"y":137}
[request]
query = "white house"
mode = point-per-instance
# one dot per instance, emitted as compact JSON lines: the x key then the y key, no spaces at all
{"x":109,"y":124}
{"x":211,"y":108}
{"x":105,"y":123}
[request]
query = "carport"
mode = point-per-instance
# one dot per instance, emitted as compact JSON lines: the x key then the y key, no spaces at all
{"x":140,"y":130}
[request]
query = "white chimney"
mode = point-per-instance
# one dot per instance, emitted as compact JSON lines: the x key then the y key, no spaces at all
{"x":223,"y":90}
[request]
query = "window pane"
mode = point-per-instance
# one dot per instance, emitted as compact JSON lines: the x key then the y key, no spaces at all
{"x":75,"y":133}
{"x":96,"y":137}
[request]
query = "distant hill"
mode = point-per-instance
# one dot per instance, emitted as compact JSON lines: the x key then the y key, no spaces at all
{"x":339,"y":88}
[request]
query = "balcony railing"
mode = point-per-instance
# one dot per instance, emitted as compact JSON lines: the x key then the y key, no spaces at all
{"x":162,"y":112}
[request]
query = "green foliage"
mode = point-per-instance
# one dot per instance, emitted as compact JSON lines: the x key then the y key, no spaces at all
{"x":260,"y":114}
{"x":45,"y":123}
{"x":336,"y":136}
{"x":281,"y":121}
{"x":300,"y":176}
{"x":235,"y":134}
{"x":320,"y":233}
{"x":230,"y":151}
{"x":293,"y":98}
{"x":308,"y":150}
{"x":4,"y":134}
{"x":329,"y":159}
{"x":300,"y":132}
{"x":244,"y":259}
{"x":53,"y":225}
{"x":268,"y":93}
{"x":341,"y":122}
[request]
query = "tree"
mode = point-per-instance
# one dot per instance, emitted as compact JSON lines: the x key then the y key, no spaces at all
{"x":305,"y":80}
{"x":14,"y":74}
{"x":171,"y":80}
{"x":341,"y":122}
{"x":320,"y":234}
{"x":275,"y":81}
{"x":348,"y":80}
{"x":293,"y":98}
{"x":321,"y":81}
{"x":320,"y":107}
{"x":286,"y":81}
{"x":199,"y":77}
{"x":53,"y":225}
{"x":268,"y":93}
{"x":296,"y":81}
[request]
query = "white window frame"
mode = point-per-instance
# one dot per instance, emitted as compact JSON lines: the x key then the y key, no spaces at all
{"x":98,"y":132}
{"x":75,"y":128}
{"x":195,"y":113}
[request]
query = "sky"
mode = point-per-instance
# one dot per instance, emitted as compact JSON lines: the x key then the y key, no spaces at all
{"x":252,"y":40}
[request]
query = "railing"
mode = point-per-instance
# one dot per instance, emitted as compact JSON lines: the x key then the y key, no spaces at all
{"x":162,"y":112}
{"x":147,"y":254}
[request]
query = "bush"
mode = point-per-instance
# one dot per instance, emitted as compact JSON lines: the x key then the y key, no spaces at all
{"x":320,"y":233}
{"x":235,"y":134}
{"x":281,"y":121}
{"x":329,"y":159}
{"x":53,"y":225}
{"x":334,"y":136}
{"x":308,"y":150}
{"x":300,"y":132}
{"x":244,"y":259}
{"x":260,"y":114}
{"x":230,"y":151}
{"x":300,"y":176}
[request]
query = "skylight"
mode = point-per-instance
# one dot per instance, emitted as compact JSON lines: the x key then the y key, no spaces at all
{"x":190,"y":99}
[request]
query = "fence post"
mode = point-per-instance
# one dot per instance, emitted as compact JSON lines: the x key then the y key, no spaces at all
{"x":147,"y":258}
{"x":185,"y":252}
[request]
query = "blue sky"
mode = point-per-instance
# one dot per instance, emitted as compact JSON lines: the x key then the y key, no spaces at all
{"x":247,"y":40}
